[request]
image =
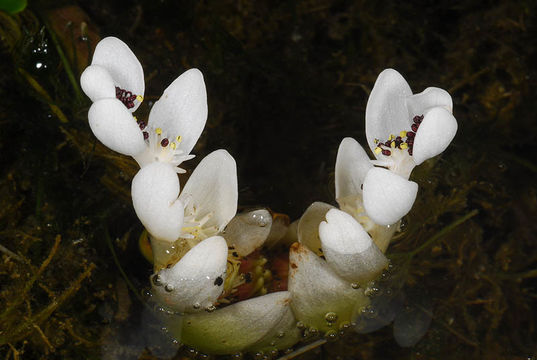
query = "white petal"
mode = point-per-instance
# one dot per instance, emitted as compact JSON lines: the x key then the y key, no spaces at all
{"x":419,"y":104}
{"x":386,"y":111}
{"x":387,"y":196}
{"x":182,"y":109}
{"x":212,"y":188}
{"x":317,"y":290}
{"x":97,"y":83}
{"x":248,"y":231}
{"x":115,"y":127}
{"x":154,"y":195}
{"x":348,"y":248}
{"x":118,"y":59}
{"x":352,"y":164}
{"x":308,"y":225}
{"x":434,"y":135}
{"x":196,"y":281}
{"x":248,"y":325}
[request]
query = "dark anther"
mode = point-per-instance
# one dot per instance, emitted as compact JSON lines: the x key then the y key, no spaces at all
{"x":418,"y":119}
{"x":410,"y":134}
{"x":410,"y":151}
{"x":248,"y":277}
{"x":398,"y":141}
{"x":218,"y":281}
{"x":142,"y":125}
{"x":361,"y":186}
{"x":234,"y":253}
{"x":164,"y":142}
{"x":146,"y":135}
{"x":386,"y":152}
{"x":410,"y":141}
{"x":388,"y":143}
{"x":126,"y":97}
{"x":414,"y":127}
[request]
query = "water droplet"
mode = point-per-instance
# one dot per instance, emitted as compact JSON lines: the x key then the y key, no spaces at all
{"x":330,"y":317}
{"x":313,"y":331}
{"x":272,"y":343}
{"x":237,"y":356}
{"x":345,"y":325}
{"x":169,"y":287}
{"x":355,"y":286}
{"x":274,"y":353}
{"x":300,"y":325}
{"x":281,"y":334}
{"x":196,"y":305}
{"x":210,"y":308}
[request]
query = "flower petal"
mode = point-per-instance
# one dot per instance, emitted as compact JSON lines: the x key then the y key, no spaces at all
{"x":386,"y":110}
{"x":248,"y":231}
{"x":154,"y":195}
{"x":196,"y":281}
{"x":308,"y":225}
{"x":316,"y":290}
{"x":246,"y":325}
{"x":182,"y":109}
{"x":419,"y":104}
{"x":435,"y":133}
{"x":348,"y":248}
{"x":387,"y":196}
{"x":352,"y":164}
{"x":119,"y":60}
{"x":115,"y":127}
{"x":212,"y":189}
{"x":97,"y":83}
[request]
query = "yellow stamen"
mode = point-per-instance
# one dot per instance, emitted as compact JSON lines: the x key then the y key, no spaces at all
{"x":402,"y":134}
{"x":392,"y":144}
{"x":391,"y":137}
{"x":173,"y":146}
{"x":376,"y":141}
{"x":403,"y":146}
{"x":378,"y":150}
{"x":135,"y":118}
{"x":140,"y":98}
{"x":158,"y":131}
{"x":179,"y":138}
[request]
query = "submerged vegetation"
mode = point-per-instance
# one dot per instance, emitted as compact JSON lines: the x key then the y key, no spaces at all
{"x":285,"y":85}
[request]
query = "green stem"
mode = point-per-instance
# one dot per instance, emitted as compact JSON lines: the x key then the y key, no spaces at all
{"x":72,"y":79}
{"x":443,"y":232}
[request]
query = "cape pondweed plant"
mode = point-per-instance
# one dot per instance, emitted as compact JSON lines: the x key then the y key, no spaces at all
{"x":206,"y":258}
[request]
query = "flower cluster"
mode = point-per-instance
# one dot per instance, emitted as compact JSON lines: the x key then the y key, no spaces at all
{"x":201,"y":246}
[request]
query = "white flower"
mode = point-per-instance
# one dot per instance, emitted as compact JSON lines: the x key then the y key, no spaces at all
{"x":402,"y":130}
{"x":201,"y":210}
{"x":115,"y":83}
{"x":405,"y":129}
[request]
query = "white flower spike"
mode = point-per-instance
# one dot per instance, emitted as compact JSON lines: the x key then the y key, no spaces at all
{"x":403,"y":129}
{"x":115,"y":83}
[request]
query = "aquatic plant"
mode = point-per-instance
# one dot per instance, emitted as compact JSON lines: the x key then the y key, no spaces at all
{"x":199,"y":263}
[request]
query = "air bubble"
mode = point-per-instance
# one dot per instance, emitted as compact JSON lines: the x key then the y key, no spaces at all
{"x":330,"y":317}
{"x":210,"y":308}
{"x":156,"y":279}
{"x":300,"y":325}
{"x":331,"y":335}
{"x":196,"y":305}
{"x":281,"y":334}
{"x":169,"y":287}
{"x":355,"y":286}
